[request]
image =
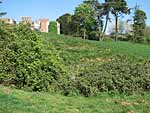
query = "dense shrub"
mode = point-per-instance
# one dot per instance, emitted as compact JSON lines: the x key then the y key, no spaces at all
{"x":119,"y":74}
{"x":53,"y":27}
{"x":94,"y":35}
{"x":25,"y":62}
{"x":122,"y":37}
{"x":139,"y":25}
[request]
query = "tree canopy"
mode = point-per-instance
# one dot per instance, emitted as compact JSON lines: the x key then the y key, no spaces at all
{"x":139,"y":25}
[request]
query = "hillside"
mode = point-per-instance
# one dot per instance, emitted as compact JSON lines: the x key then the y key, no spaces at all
{"x":75,"y":53}
{"x":17,"y":101}
{"x":78,"y":49}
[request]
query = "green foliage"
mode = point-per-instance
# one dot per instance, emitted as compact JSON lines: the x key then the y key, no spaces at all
{"x":147,"y":35}
{"x":86,"y":14}
{"x":25,"y":62}
{"x":85,"y":10}
{"x":75,"y":49}
{"x":94,"y":35}
{"x":53,"y":27}
{"x":88,"y":18}
{"x":139,"y":25}
{"x":82,"y":22}
{"x":98,"y":17}
{"x":118,"y":7}
{"x":118,"y":74}
{"x":16,"y":101}
{"x":64,"y":21}
{"x":93,"y":62}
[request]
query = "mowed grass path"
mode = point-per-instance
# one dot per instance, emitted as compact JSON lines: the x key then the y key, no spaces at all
{"x":17,"y":101}
{"x":75,"y":48}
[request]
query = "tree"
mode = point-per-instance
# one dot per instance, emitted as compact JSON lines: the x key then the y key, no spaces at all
{"x":106,"y":11}
{"x":53,"y":27}
{"x":139,"y":25}
{"x":97,"y":7}
{"x":83,"y":22}
{"x":86,"y":14}
{"x":75,"y":27}
{"x":118,"y":7}
{"x":65,"y":21}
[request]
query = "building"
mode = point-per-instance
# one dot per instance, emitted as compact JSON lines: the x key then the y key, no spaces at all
{"x":36,"y":25}
{"x":44,"y":23}
{"x":123,"y":27}
{"x":41,"y":24}
{"x":58,"y":28}
{"x":8,"y":20}
{"x":26,"y":20}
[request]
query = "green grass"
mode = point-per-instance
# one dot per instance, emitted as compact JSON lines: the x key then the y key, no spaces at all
{"x":17,"y":101}
{"x":75,"y":49}
{"x":74,"y":52}
{"x":77,"y":52}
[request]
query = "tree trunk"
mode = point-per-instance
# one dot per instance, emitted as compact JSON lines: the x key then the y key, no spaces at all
{"x":99,"y":27}
{"x":106,"y":23}
{"x":84,"y":34}
{"x":100,"y":33}
{"x":116,"y":26}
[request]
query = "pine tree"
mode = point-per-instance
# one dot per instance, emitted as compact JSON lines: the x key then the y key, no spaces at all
{"x":139,"y":25}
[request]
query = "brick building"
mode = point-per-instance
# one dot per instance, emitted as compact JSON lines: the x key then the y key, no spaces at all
{"x":44,"y":23}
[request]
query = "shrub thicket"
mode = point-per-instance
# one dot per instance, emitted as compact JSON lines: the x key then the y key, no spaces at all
{"x":119,"y":74}
{"x":25,"y":62}
{"x":53,"y":27}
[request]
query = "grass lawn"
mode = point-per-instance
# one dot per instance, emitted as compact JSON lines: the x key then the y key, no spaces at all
{"x":77,"y":52}
{"x":75,"y":49}
{"x":17,"y":101}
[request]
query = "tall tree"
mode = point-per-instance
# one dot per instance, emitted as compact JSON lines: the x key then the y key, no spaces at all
{"x":97,"y":7}
{"x":65,"y":21}
{"x":86,"y":13}
{"x":106,"y":8}
{"x":139,"y":25}
{"x":118,"y":7}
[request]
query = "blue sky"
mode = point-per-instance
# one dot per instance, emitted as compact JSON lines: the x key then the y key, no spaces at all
{"x":52,"y":9}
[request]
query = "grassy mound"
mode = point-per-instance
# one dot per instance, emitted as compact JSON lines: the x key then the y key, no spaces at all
{"x":30,"y":61}
{"x":16,"y":101}
{"x":74,"y":50}
{"x":96,"y":67}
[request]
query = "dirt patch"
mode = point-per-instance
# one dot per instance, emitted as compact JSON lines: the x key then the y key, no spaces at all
{"x":98,"y":59}
{"x":138,"y":102}
{"x":84,"y":47}
{"x":7,"y":91}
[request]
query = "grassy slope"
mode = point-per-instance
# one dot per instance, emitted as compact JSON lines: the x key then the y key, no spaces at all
{"x":75,"y":51}
{"x":79,"y":53}
{"x":17,"y":101}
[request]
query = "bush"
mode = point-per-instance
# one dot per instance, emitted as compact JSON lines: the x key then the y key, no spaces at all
{"x":25,"y":62}
{"x":119,"y":74}
{"x":53,"y":27}
{"x":94,"y":35}
{"x":108,"y":39}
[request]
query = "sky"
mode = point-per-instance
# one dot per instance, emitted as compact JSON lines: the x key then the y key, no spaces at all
{"x":52,"y":9}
